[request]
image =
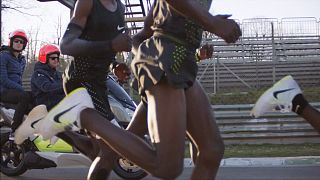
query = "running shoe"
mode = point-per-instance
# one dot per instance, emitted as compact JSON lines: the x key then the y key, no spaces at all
{"x":277,"y":98}
{"x":31,"y":124}
{"x":66,"y":114}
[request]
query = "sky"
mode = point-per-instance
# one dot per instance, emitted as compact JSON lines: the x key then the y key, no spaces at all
{"x":46,"y":14}
{"x":244,"y":9}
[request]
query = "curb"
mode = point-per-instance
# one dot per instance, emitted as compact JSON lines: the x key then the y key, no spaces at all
{"x":265,"y":161}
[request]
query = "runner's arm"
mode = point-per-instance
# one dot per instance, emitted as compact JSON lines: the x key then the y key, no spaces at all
{"x":71,"y":44}
{"x":220,"y":25}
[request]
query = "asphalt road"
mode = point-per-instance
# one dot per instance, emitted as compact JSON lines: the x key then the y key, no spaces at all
{"x":225,"y":173}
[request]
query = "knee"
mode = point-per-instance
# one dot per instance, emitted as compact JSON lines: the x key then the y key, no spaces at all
{"x":86,"y":113}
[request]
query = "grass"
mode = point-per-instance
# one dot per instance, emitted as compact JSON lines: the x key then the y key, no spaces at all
{"x":272,"y":150}
{"x":269,"y":150}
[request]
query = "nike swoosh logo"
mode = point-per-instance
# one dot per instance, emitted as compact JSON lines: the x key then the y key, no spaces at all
{"x":56,"y":117}
{"x":275,"y":94}
{"x":35,"y":122}
{"x":120,"y":28}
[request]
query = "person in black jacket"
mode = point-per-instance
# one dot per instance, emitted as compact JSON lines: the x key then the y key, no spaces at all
{"x":12,"y":64}
{"x":46,"y":81}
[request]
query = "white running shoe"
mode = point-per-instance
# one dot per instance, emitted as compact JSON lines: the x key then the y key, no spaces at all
{"x":31,"y":124}
{"x":277,"y":98}
{"x":66,"y":115}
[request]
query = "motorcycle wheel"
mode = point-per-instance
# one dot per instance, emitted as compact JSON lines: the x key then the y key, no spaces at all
{"x":12,"y":157}
{"x":127,"y":170}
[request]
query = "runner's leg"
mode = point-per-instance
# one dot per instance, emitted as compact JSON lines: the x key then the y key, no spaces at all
{"x":167,"y":126}
{"x":312,"y":115}
{"x":202,"y":128}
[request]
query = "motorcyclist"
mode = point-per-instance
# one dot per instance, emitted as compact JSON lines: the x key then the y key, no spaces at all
{"x":12,"y":64}
{"x":46,"y":81}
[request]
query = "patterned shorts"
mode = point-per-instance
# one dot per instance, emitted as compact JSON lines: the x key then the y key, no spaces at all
{"x":160,"y":58}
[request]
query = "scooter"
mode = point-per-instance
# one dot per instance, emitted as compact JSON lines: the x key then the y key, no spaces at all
{"x":36,"y":153}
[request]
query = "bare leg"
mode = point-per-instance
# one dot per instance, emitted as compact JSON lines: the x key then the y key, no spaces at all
{"x":202,"y":128}
{"x":104,"y":161}
{"x":138,"y":125}
{"x":81,"y":142}
{"x":312,"y":116}
{"x":166,"y":124}
{"x":96,"y":150}
{"x":102,"y":156}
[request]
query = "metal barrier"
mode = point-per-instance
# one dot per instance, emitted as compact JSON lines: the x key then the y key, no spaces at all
{"x":238,"y":127}
{"x":258,"y":62}
{"x":267,"y":27}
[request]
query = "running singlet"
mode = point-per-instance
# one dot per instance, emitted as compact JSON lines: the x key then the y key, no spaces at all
{"x":169,"y":22}
{"x":102,"y":24}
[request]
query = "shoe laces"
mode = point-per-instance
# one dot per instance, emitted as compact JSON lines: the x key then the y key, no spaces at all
{"x":283,"y":107}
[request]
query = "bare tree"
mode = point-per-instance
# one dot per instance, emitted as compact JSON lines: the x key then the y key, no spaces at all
{"x":36,"y":43}
{"x":32,"y":45}
{"x":59,"y":29}
{"x":17,"y":5}
{"x":20,"y":6}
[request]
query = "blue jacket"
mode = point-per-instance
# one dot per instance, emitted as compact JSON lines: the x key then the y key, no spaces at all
{"x":46,"y":85}
{"x":11,"y":70}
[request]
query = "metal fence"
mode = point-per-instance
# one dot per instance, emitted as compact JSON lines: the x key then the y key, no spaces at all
{"x":257,"y":62}
{"x":267,"y":27}
{"x":238,"y":127}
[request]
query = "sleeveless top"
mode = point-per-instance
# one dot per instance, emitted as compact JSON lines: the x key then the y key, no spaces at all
{"x":168,"y":22}
{"x":102,"y":24}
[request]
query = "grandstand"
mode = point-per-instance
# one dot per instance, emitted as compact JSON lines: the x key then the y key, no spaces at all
{"x":268,"y":50}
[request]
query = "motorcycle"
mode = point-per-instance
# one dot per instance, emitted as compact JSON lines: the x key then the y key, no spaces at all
{"x":36,"y":153}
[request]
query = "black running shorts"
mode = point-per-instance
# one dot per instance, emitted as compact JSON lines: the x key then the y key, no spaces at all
{"x":96,"y":88}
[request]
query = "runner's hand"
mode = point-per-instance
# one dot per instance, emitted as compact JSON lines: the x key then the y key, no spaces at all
{"x":122,"y":42}
{"x":225,"y":28}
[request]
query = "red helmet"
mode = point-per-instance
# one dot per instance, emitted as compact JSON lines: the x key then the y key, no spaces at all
{"x":18,"y":33}
{"x":47,"y":50}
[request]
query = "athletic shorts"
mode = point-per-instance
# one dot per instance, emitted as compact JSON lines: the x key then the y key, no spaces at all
{"x":96,"y":88}
{"x":161,"y":58}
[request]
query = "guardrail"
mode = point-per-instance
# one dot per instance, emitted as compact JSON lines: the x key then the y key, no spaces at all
{"x":219,"y":76}
{"x":238,"y":127}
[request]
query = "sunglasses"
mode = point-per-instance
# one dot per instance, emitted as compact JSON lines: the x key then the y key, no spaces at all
{"x":54,"y":58}
{"x":18,"y":41}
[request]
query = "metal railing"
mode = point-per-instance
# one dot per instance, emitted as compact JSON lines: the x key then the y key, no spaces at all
{"x":267,"y":27}
{"x":238,"y":127}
